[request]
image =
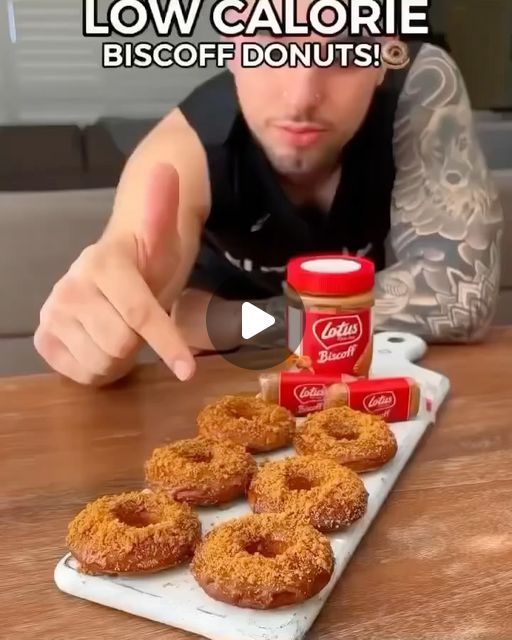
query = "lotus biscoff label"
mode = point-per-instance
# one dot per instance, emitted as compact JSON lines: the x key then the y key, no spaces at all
{"x":373,"y":397}
{"x":335,"y":343}
{"x":377,"y":402}
{"x":300,"y":394}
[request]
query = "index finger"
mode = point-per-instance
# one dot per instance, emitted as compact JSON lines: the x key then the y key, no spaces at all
{"x":129,"y":294}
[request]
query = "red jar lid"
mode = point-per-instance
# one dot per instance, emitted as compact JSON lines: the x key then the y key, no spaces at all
{"x":331,"y":274}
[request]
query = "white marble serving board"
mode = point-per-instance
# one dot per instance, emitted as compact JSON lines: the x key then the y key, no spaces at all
{"x":173,"y":597}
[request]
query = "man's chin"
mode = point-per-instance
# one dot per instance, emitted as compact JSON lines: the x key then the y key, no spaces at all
{"x":298,"y":167}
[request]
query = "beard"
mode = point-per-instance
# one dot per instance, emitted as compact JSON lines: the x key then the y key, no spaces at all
{"x":302,"y":163}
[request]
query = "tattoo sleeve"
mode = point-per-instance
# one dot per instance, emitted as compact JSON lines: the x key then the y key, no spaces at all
{"x":446,"y":219}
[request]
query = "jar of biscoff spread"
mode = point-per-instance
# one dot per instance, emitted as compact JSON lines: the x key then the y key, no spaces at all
{"x":330,"y":303}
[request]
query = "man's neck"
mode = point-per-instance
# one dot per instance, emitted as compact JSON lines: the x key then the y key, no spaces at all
{"x":317,"y":190}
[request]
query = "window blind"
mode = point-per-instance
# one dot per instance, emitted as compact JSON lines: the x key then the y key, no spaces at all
{"x":50,"y":72}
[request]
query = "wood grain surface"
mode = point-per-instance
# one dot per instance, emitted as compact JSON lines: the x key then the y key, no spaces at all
{"x":436,"y":564}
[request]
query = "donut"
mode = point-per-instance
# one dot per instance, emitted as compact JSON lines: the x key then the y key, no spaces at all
{"x":314,"y":489}
{"x":134,"y":532}
{"x":355,"y":439}
{"x":263,"y":561}
{"x":200,"y":471}
{"x":248,"y":421}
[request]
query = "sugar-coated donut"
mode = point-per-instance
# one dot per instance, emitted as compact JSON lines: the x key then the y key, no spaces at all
{"x":201,"y":471}
{"x":263,"y":562}
{"x":248,"y":421}
{"x":312,"y":488}
{"x":135,"y":532}
{"x":355,"y":439}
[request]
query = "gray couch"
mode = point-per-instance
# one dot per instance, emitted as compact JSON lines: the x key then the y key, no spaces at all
{"x":42,"y":232}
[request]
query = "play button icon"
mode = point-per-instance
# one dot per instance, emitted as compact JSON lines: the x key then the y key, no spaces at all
{"x":255,"y":320}
{"x":252,"y":333}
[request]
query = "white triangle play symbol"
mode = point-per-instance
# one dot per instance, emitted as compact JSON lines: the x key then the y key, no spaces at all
{"x":254,"y":320}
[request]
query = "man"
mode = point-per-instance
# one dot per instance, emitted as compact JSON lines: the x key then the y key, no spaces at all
{"x":271,"y":163}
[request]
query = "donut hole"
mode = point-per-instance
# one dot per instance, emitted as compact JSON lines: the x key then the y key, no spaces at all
{"x":300,"y":482}
{"x":342,"y":431}
{"x":267,"y":547}
{"x":241,"y":411}
{"x":135,"y":516}
{"x":197,"y":456}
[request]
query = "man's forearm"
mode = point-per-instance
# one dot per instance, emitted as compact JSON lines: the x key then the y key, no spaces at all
{"x":438,"y":303}
{"x":422,"y":297}
{"x":446,"y":218}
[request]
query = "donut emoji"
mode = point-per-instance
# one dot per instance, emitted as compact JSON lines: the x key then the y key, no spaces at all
{"x":395,"y":54}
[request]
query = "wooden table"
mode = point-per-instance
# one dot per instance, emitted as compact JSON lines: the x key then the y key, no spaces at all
{"x":436,"y":564}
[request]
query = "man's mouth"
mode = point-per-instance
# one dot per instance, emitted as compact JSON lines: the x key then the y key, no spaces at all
{"x":300,"y":134}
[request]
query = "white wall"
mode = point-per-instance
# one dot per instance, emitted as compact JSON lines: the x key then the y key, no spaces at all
{"x":52,"y":73}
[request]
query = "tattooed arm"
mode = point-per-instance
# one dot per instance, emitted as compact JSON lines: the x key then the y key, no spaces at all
{"x":446,"y":220}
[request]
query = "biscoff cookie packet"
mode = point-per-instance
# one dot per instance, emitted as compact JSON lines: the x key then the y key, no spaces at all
{"x":396,"y":399}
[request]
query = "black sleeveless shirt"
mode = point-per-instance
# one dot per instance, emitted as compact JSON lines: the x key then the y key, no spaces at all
{"x":253,"y":229}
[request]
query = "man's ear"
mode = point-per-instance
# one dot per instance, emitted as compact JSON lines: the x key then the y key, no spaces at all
{"x":383,"y":69}
{"x":381,"y":76}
